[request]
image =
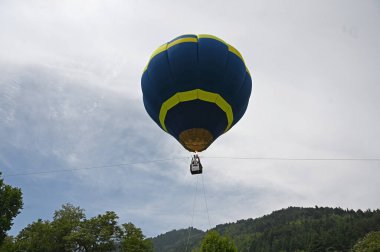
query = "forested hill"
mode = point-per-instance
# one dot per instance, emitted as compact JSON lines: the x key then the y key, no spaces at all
{"x":291,"y":229}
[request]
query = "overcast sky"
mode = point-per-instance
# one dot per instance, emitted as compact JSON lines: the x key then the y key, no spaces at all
{"x":70,"y":98}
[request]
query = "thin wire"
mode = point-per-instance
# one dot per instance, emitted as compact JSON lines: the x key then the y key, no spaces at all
{"x":94,"y":167}
{"x":204,"y":194}
{"x":295,"y":159}
{"x":210,"y":157}
{"x":192,"y":216}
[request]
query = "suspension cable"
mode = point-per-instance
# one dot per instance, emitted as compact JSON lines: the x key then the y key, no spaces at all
{"x":204,"y":194}
{"x":192,"y":215}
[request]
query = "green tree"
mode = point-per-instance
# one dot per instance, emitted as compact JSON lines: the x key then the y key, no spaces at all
{"x":96,"y":234}
{"x":65,"y":221}
{"x":71,"y":231}
{"x":8,"y":245}
{"x":133,"y":240}
{"x":10,"y":206}
{"x":370,"y":243}
{"x":36,"y":237}
{"x":214,"y":242}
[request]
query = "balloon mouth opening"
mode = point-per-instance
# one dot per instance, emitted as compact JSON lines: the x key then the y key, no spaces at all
{"x":196,"y":139}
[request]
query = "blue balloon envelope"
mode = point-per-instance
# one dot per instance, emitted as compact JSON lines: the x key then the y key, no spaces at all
{"x":196,"y":87}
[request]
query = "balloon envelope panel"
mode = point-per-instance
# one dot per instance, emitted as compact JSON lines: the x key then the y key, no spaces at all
{"x":196,"y":87}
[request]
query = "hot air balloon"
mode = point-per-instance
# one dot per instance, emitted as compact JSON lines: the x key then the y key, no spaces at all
{"x":196,"y":87}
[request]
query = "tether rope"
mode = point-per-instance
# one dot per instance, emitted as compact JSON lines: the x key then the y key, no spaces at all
{"x":204,"y":194}
{"x":192,"y":216}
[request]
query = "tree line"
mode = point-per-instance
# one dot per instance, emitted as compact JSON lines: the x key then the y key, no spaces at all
{"x":71,"y":230}
{"x":304,"y":229}
{"x":292,"y":229}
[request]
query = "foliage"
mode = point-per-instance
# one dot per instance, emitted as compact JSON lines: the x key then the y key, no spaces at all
{"x":70,"y":230}
{"x":291,"y":229}
{"x":214,"y":242}
{"x":96,"y":234}
{"x":36,"y":237}
{"x":370,"y":243}
{"x":8,"y":244}
{"x":66,"y":221}
{"x":133,"y":239}
{"x":178,"y":240}
{"x":10,"y":206}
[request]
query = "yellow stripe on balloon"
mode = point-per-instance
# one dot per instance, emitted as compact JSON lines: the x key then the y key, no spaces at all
{"x":196,"y":94}
{"x":166,"y":46}
{"x":182,"y":40}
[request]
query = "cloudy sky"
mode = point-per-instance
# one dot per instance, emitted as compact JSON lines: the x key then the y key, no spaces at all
{"x":71,"y":104}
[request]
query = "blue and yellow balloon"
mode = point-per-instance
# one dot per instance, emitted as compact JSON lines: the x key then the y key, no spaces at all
{"x":196,"y":87}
